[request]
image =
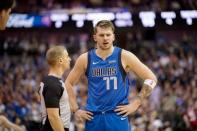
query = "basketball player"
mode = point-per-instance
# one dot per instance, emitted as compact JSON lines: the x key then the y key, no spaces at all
{"x":106,"y":68}
{"x":5,"y":123}
{"x":5,"y":9}
{"x":54,"y":98}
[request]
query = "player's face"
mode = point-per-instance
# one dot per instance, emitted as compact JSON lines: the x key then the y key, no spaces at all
{"x":66,"y":60}
{"x":104,"y":38}
{"x":4,"y":16}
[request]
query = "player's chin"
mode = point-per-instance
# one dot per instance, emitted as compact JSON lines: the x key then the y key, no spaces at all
{"x":106,"y":46}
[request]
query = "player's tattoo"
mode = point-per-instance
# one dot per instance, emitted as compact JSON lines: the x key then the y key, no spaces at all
{"x":145,"y":91}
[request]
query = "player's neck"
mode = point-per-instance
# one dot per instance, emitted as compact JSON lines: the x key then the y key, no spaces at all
{"x":57,"y":72}
{"x":104,"y":53}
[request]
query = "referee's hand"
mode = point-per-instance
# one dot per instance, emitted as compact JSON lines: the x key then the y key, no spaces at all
{"x":82,"y":115}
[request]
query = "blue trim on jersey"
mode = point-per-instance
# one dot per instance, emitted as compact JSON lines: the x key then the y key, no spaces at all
{"x":107,"y":82}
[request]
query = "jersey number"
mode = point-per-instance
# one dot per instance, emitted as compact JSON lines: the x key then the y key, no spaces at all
{"x":108,"y":79}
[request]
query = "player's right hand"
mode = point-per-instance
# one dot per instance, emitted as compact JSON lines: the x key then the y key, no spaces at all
{"x":83,"y":115}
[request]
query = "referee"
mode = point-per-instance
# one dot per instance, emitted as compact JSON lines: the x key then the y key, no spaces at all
{"x":54,"y":99}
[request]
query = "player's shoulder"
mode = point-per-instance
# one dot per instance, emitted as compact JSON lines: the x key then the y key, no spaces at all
{"x":127,"y":55}
{"x":83,"y":56}
{"x":2,"y":118}
{"x":81,"y":61}
{"x":126,"y":52}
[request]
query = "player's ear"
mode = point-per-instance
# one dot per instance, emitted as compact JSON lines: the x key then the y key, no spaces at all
{"x":94,"y":37}
{"x":114,"y":38}
{"x":5,"y":11}
{"x":8,"y":11}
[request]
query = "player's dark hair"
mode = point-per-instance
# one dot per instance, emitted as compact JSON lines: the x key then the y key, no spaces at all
{"x":6,"y":4}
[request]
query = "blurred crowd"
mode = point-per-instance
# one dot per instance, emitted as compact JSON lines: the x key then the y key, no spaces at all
{"x":173,"y":103}
{"x":171,"y":107}
{"x":133,"y":5}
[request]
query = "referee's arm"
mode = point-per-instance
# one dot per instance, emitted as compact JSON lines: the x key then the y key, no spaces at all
{"x":54,"y":119}
{"x":52,"y":99}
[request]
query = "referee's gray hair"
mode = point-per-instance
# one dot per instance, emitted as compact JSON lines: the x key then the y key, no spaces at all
{"x":54,"y":53}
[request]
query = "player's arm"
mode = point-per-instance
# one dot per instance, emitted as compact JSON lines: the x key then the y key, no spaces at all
{"x":52,"y":97}
{"x":7,"y":124}
{"x":132,"y":63}
{"x":73,"y":77}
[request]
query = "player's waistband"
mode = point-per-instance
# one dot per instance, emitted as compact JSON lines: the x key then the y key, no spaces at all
{"x":102,"y":112}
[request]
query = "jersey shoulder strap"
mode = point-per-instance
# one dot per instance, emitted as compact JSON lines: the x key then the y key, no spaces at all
{"x":88,"y":62}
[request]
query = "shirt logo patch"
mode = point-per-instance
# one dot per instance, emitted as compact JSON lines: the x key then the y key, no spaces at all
{"x":112,"y":61}
{"x":94,"y":63}
{"x":123,"y":118}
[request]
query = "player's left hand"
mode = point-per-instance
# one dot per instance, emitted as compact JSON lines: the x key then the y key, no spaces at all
{"x":83,"y":115}
{"x":125,"y":110}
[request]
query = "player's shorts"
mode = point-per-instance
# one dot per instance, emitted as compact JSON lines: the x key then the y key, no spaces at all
{"x":107,"y":121}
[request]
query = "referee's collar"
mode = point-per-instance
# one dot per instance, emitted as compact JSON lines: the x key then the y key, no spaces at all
{"x":54,"y":75}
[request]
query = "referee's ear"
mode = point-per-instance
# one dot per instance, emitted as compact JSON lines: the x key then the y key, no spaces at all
{"x":60,"y":60}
